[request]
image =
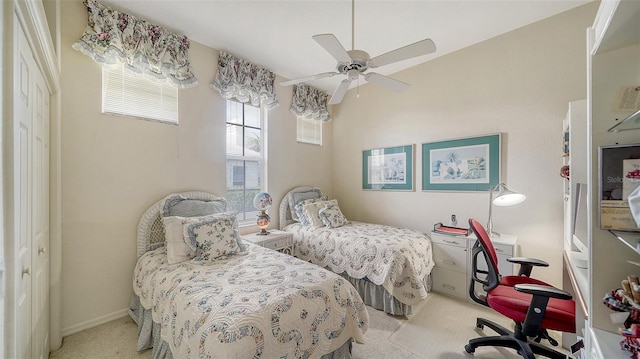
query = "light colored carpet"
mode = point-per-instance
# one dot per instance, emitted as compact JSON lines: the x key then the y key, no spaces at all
{"x":442,"y":327}
{"x":438,"y":329}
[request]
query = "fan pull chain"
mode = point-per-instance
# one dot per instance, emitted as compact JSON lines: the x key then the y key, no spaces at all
{"x":358,"y":87}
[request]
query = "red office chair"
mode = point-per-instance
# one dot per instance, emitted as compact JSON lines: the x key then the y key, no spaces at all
{"x":533,"y":305}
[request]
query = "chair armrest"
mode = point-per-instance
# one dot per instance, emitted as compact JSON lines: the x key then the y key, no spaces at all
{"x":531,"y":261}
{"x":538,"y":306}
{"x":527,"y":264}
{"x":545,"y":291}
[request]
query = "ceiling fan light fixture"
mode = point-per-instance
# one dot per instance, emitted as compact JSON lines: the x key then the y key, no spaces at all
{"x":354,"y":63}
{"x":353,"y":74}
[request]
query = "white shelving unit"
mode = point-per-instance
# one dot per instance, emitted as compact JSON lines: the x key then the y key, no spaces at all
{"x":613,"y":62}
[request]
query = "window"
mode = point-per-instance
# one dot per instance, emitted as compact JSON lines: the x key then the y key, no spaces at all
{"x":127,"y":93}
{"x":245,"y":157}
{"x":309,"y":131}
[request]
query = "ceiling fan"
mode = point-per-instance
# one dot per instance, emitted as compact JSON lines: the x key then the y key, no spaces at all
{"x":355,"y":63}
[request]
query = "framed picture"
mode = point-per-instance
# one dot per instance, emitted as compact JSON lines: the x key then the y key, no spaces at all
{"x":388,"y":168}
{"x":466,"y":164}
{"x":619,"y":176}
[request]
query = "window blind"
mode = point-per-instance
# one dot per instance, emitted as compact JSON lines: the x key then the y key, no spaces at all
{"x":127,"y":93}
{"x":309,"y":131}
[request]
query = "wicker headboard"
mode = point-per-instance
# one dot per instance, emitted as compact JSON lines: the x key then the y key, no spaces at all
{"x":285,"y":211}
{"x":151,"y":228}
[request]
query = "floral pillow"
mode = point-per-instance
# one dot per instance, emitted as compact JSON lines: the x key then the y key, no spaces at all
{"x":332,"y":216}
{"x":213,"y":238}
{"x":311,"y":212}
{"x":299,"y":209}
{"x":179,"y":247}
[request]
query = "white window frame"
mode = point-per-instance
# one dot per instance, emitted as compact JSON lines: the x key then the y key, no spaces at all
{"x":308,"y":131}
{"x":248,"y":218}
{"x":126,"y":93}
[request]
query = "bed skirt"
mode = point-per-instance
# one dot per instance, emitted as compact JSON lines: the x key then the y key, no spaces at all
{"x":149,"y":335}
{"x":379,"y":298}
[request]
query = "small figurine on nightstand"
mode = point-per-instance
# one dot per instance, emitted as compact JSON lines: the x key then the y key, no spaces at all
{"x":262,"y":201}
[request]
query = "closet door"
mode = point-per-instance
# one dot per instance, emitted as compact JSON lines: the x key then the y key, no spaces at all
{"x":31,"y":201}
{"x":40,"y":211}
{"x":24,"y":66}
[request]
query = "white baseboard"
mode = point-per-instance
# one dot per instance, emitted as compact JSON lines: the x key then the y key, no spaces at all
{"x":94,"y":322}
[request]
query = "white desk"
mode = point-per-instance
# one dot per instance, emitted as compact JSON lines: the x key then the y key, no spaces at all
{"x":452,"y":255}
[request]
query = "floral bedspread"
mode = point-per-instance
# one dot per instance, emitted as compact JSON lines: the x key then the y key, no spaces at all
{"x":396,"y":258}
{"x":257,"y":304}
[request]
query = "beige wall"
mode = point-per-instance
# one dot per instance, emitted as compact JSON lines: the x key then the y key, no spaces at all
{"x":518,"y":84}
{"x":114,"y":168}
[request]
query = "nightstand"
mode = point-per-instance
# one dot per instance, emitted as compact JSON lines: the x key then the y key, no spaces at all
{"x":277,"y":240}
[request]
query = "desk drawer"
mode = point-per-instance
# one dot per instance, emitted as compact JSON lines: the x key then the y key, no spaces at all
{"x":449,"y":282}
{"x":450,"y":257}
{"x":505,"y":249}
{"x":449,"y":240}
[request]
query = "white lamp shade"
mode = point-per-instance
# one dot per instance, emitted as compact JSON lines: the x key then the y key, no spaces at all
{"x":508,"y":198}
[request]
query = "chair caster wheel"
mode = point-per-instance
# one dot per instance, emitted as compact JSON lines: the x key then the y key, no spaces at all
{"x":553,"y":342}
{"x":469,"y":349}
{"x":479,"y":326}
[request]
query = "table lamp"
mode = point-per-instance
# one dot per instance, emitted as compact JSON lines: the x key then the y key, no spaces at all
{"x":505,"y":197}
{"x":262,"y":201}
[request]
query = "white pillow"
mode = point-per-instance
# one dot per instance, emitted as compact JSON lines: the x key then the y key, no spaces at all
{"x":311,"y":211}
{"x":213,"y":237}
{"x":179,"y":249}
{"x":332,"y":216}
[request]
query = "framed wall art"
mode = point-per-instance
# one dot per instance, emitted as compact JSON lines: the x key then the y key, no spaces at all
{"x":389,"y":168}
{"x":466,"y":164}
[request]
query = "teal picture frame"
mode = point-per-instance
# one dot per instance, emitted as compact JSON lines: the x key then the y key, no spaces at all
{"x":390,"y":168}
{"x":466,"y":164}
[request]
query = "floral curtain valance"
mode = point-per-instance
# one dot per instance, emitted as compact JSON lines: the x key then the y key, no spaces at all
{"x":240,"y":79}
{"x":112,"y":36}
{"x":310,"y":102}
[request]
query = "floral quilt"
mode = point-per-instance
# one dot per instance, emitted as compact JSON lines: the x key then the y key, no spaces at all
{"x":256,"y":304}
{"x":398,"y":259}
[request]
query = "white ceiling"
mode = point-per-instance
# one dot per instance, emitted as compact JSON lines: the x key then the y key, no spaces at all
{"x":277,"y":34}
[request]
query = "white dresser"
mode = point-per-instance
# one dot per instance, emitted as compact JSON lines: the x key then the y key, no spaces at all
{"x":452,"y":255}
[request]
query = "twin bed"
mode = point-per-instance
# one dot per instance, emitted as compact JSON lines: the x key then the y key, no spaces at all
{"x":254,"y":303}
{"x":390,"y":267}
{"x":221,"y":298}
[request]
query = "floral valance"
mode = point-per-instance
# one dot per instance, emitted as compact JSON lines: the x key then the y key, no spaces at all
{"x":112,"y":36}
{"x":310,"y":102}
{"x":244,"y":81}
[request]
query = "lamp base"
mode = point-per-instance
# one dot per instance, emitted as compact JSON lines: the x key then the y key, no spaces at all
{"x":263,"y":222}
{"x":494,"y":234}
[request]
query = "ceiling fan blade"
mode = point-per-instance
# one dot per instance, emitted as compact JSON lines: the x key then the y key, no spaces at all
{"x":339,"y":92}
{"x":416,"y":49}
{"x":333,"y":47}
{"x":309,"y":78}
{"x":387,"y":82}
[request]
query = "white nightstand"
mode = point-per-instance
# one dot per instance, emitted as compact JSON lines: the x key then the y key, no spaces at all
{"x":452,"y":256}
{"x":277,"y":240}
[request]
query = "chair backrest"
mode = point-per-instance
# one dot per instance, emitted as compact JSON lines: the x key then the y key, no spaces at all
{"x":490,"y":277}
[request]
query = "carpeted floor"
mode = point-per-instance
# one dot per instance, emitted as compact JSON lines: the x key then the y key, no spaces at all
{"x":438,"y":329}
